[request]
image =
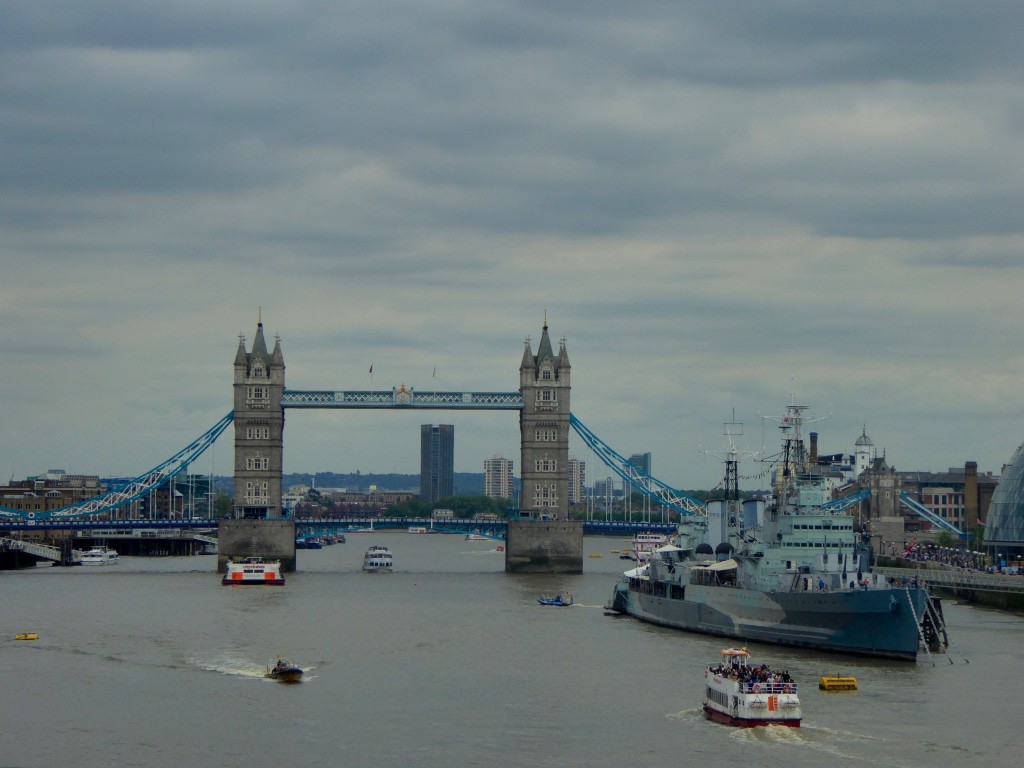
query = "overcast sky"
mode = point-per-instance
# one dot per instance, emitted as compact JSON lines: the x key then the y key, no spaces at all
{"x":720,"y":205}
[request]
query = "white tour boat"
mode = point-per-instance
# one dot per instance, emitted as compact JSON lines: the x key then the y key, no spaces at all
{"x":378,"y":558}
{"x":100,"y":556}
{"x":645,"y":543}
{"x":736,"y":693}
{"x":253,"y":570}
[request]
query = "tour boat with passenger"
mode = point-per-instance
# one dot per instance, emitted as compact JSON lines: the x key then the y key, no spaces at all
{"x":378,"y":559}
{"x":100,"y":556}
{"x":253,"y":570}
{"x":736,"y":693}
{"x":644,"y":544}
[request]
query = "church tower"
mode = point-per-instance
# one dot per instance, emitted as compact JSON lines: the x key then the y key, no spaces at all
{"x":863,"y":453}
{"x":259,"y":429}
{"x":544,"y":426}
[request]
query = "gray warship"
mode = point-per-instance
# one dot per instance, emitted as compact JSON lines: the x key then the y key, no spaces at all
{"x":792,"y":571}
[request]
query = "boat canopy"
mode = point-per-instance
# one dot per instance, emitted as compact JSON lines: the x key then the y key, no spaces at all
{"x":725,"y":565}
{"x":670,"y":548}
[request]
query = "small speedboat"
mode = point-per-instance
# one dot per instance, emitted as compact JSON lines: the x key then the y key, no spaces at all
{"x":27,"y":636}
{"x":284,"y":671}
{"x":560,"y":600}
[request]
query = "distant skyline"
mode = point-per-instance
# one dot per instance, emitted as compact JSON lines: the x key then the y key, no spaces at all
{"x":719,"y":206}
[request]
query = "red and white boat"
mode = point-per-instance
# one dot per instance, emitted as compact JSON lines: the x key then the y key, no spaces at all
{"x":253,"y":570}
{"x":737,"y":693}
{"x":644,"y":545}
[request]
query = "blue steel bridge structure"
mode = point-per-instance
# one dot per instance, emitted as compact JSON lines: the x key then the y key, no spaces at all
{"x":98,"y":513}
{"x":100,"y":510}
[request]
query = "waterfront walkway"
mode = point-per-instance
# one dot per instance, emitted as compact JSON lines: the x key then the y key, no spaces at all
{"x":958,"y":578}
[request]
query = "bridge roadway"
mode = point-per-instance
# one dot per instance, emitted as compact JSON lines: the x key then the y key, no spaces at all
{"x":488,"y":527}
{"x":195,"y":527}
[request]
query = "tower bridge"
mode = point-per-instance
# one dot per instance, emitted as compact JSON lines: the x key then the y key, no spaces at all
{"x":543,"y":538}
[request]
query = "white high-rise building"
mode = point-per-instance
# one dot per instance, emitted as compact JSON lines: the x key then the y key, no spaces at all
{"x":498,"y":477}
{"x":577,"y":480}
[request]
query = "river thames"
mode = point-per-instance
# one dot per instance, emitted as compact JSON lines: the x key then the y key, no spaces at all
{"x":448,"y":661}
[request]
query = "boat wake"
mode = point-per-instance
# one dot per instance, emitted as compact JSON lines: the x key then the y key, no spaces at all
{"x":828,"y":741}
{"x":831,"y":742}
{"x":686,"y":714}
{"x":230,"y":665}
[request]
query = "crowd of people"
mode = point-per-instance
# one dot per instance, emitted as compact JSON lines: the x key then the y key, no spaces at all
{"x":957,"y":558}
{"x":750,"y":675}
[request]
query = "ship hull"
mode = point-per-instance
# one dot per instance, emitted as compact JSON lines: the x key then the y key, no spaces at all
{"x":725,"y":718}
{"x":881,"y":623}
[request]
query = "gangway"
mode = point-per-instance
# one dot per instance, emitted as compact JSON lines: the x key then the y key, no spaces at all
{"x":42,"y":551}
{"x":134,"y":489}
{"x":651,"y":487}
{"x":922,"y":511}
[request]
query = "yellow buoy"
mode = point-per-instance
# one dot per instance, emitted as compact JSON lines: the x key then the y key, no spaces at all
{"x":836,"y":683}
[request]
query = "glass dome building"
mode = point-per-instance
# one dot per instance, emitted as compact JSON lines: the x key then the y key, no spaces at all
{"x":1004,"y":526}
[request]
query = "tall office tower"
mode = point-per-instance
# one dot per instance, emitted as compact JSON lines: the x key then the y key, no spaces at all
{"x":604,"y":489}
{"x":498,"y":477}
{"x":642,"y":461}
{"x":577,"y":480}
{"x":437,"y":462}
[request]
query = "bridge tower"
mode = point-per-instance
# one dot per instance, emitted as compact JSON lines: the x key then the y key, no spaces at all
{"x":259,"y":527}
{"x":544,"y":383}
{"x":259,"y":429}
{"x":543,"y":539}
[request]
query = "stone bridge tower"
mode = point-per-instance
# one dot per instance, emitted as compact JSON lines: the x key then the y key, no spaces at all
{"x":259,"y":430}
{"x":543,"y":539}
{"x":544,"y":431}
{"x":258,"y":526}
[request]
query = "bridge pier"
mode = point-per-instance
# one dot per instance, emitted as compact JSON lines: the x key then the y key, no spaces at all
{"x":544,"y":546}
{"x":269,"y":539}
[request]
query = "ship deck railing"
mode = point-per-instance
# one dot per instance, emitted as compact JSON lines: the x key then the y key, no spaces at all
{"x":767,"y":687}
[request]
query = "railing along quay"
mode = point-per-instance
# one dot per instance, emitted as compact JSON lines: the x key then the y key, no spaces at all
{"x":962,"y":578}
